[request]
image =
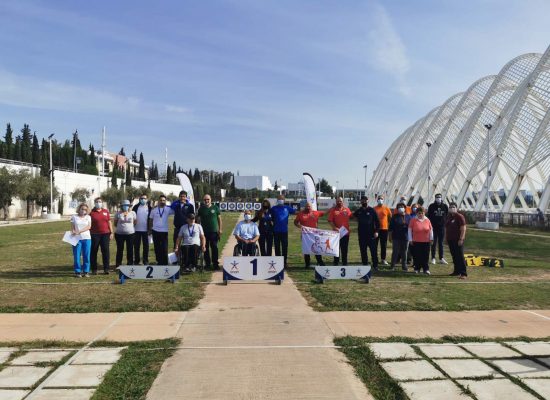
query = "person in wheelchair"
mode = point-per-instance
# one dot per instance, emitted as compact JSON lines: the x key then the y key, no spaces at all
{"x":189,"y":243}
{"x":247,"y":234}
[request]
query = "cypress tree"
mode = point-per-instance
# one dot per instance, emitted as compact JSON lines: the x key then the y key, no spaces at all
{"x":17,"y":149}
{"x":141,"y":170}
{"x":8,"y":140}
{"x":26,"y":144}
{"x":35,"y":150}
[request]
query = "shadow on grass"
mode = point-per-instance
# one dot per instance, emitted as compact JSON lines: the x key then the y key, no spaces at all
{"x":46,"y":271}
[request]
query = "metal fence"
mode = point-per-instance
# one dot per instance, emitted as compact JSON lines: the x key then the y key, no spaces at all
{"x":531,"y":220}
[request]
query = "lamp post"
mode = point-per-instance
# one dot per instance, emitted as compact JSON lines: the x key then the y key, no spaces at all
{"x":336,"y":190}
{"x":429,"y":144}
{"x":488,"y":127}
{"x":365,"y":168}
{"x":51,"y":173}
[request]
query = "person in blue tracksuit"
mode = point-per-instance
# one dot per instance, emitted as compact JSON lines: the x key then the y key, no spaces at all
{"x":280,"y":214}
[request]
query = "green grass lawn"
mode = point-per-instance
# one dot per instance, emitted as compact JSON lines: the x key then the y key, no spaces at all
{"x":34,"y":261}
{"x":524,"y":283}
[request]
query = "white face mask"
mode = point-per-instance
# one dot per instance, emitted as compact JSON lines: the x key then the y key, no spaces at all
{"x":401,"y":210}
{"x":98,"y":204}
{"x":247,"y":217}
{"x":380,"y":201}
{"x":280,"y":202}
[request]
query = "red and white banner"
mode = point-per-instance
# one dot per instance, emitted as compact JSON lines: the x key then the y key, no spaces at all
{"x":320,"y":242}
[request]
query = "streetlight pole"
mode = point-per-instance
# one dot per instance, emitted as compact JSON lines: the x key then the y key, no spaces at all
{"x":429,"y":144}
{"x":51,"y":173}
{"x":365,"y":168}
{"x":336,"y":190}
{"x":488,"y":126}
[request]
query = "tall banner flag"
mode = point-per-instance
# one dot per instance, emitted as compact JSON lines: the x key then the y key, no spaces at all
{"x":320,"y":242}
{"x":309,"y":186}
{"x":185,"y":183}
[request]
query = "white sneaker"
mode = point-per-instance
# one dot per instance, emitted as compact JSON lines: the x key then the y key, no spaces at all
{"x":384,"y":262}
{"x":443,"y":261}
{"x":427,"y":273}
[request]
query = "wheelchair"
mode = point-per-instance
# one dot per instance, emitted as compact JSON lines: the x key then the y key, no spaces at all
{"x":238,"y":251}
{"x":190,"y":265}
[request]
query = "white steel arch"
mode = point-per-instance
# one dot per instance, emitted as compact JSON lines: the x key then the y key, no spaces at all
{"x":516,"y":102}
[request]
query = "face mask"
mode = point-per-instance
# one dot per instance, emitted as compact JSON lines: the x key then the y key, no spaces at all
{"x":247,"y":217}
{"x":82,"y":212}
{"x":380,"y":201}
{"x":414,"y":209}
{"x":401,"y":210}
{"x":438,"y":200}
{"x":125,"y":208}
{"x":365,"y":204}
{"x":452,"y":210}
{"x":280,"y":202}
{"x":142,"y":201}
{"x":98,"y":204}
{"x":162,"y":203}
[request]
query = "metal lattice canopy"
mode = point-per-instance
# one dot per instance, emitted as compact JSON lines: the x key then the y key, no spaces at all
{"x":516,"y":105}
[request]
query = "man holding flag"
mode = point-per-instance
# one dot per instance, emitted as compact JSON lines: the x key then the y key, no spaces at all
{"x":309,"y":218}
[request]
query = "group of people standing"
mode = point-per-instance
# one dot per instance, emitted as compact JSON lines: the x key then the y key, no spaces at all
{"x":412,"y":231}
{"x":135,"y":228}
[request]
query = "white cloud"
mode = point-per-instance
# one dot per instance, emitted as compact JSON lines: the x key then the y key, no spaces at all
{"x":388,"y":52}
{"x":31,"y":92}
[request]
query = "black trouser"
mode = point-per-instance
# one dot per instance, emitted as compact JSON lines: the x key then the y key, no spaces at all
{"x":383,"y":240}
{"x":281,"y":244}
{"x":120,"y":241}
{"x":367,"y":241}
{"x":139,"y":238}
{"x":439,"y":233}
{"x":344,"y":242}
{"x":399,"y":252}
{"x":176,"y":233}
{"x":421,"y":254}
{"x":190,"y":255}
{"x":211,"y":245}
{"x":160,"y":241}
{"x":266,"y":243}
{"x":457,"y":252}
{"x":307,"y":259}
{"x":247,"y":249}
{"x":100,"y":240}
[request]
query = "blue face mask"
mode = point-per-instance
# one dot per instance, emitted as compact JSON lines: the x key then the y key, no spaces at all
{"x":280,"y":202}
{"x":142,"y":202}
{"x":125,"y":208}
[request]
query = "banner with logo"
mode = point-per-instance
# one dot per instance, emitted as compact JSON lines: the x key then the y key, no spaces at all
{"x":311,"y":194}
{"x":320,"y":242}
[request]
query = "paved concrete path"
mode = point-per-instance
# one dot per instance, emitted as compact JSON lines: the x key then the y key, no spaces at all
{"x":256,"y":341}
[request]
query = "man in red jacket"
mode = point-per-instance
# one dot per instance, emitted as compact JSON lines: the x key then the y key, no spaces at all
{"x":309,"y":218}
{"x":102,"y":233}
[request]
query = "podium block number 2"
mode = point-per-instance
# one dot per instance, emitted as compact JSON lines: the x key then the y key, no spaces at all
{"x":149,"y":272}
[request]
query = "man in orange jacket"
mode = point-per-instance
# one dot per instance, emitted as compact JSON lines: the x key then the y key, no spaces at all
{"x":384,"y":214}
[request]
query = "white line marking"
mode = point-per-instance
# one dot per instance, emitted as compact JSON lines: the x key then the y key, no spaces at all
{"x":538,"y":315}
{"x":512,"y":233}
{"x":59,"y":369}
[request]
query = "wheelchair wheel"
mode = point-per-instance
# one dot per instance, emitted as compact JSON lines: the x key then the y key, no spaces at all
{"x":237,"y":251}
{"x":200,"y":261}
{"x":257,"y":250}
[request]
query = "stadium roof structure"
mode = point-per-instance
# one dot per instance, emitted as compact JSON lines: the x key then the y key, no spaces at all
{"x":490,"y":142}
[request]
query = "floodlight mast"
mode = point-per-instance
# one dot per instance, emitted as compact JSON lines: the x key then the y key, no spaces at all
{"x":429,"y":144}
{"x":488,"y":127}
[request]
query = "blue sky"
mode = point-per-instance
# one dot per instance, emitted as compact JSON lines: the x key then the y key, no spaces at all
{"x":264,"y":87}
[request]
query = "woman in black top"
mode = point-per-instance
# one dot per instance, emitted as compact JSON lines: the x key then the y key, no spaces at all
{"x":265,"y":223}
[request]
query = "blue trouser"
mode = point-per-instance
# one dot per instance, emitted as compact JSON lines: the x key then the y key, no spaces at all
{"x":82,"y":247}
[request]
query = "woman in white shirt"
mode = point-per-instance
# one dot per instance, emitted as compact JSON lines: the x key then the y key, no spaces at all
{"x":192,"y":236}
{"x":80,"y":225}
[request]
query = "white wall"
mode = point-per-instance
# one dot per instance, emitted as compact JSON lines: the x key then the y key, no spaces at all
{"x":253,"y":182}
{"x":66,"y":182}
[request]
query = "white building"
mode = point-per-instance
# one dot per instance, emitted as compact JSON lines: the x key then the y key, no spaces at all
{"x":253,"y":182}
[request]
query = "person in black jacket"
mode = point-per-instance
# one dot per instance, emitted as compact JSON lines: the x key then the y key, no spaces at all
{"x":399,"y":227}
{"x":367,"y":230}
{"x":437,"y":214}
{"x":182,"y":208}
{"x":264,"y":220}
